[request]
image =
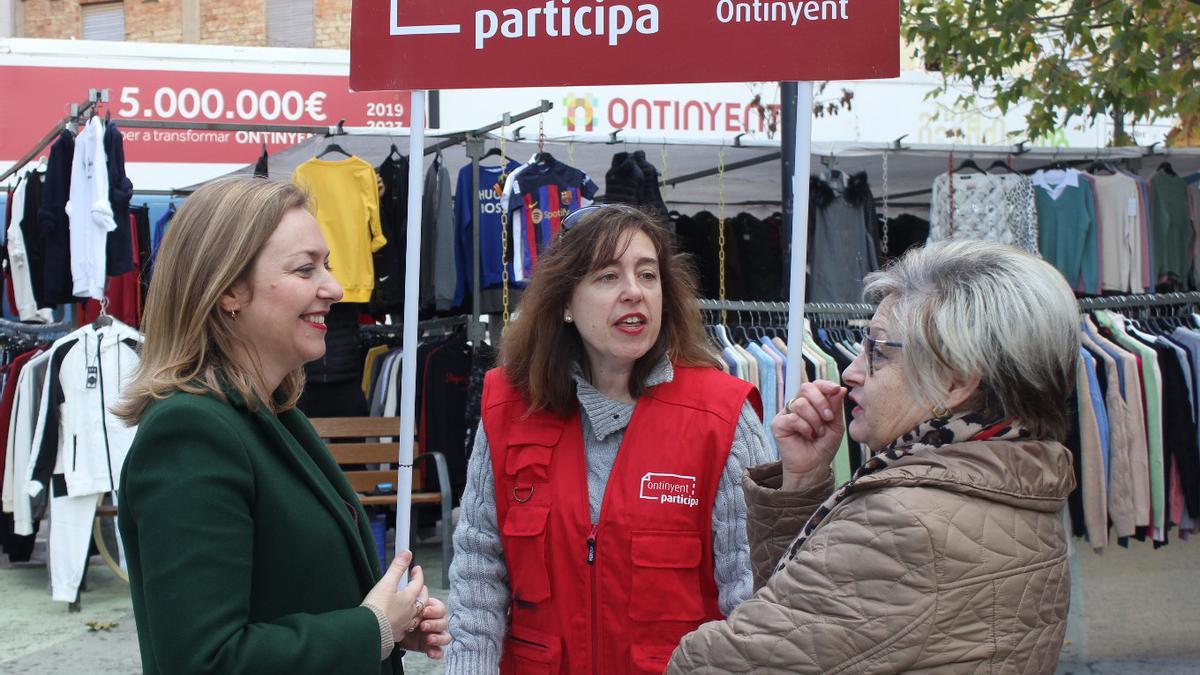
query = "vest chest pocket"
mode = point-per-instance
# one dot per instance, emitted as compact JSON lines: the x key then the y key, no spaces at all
{"x":650,"y":658}
{"x":531,"y":651}
{"x":666,"y":577}
{"x":524,"y":533}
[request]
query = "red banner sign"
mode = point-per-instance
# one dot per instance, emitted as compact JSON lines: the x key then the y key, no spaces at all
{"x":189,"y":96}
{"x":464,"y":44}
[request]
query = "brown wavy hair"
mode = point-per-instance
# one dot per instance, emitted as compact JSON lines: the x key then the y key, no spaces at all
{"x":212,"y":243}
{"x":538,"y":347}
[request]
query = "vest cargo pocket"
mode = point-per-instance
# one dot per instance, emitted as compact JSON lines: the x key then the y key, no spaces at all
{"x":650,"y":658}
{"x":525,"y":551}
{"x":666,"y":577}
{"x":532,"y":651}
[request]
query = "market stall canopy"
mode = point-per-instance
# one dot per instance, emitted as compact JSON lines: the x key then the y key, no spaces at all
{"x":755,"y":188}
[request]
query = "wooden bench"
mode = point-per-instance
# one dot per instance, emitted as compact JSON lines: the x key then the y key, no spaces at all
{"x":356,"y":441}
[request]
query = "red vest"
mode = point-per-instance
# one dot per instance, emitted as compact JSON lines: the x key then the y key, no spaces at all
{"x":617,"y":597}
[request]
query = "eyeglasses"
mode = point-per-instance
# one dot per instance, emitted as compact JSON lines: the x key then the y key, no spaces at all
{"x":577,"y":216}
{"x":873,"y":352}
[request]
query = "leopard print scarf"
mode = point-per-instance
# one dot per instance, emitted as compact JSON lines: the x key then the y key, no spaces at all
{"x":926,"y":437}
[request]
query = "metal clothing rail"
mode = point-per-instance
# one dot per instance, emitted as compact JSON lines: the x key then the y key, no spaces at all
{"x":456,"y":139}
{"x":865,"y":309}
{"x":78,"y":110}
{"x":439,"y":323}
{"x":332,"y":130}
{"x":16,"y":328}
{"x":1140,"y":300}
{"x":860,"y":309}
{"x":732,"y":166}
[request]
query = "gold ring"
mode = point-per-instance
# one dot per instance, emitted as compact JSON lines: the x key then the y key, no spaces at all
{"x":788,"y":407}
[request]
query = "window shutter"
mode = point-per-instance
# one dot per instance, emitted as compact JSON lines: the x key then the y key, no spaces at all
{"x":290,"y":23}
{"x":104,"y":22}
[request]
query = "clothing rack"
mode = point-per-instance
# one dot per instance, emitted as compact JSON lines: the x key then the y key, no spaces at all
{"x":474,"y":326}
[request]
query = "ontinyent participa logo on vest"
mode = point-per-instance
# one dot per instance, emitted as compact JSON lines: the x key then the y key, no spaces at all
{"x":670,"y":488}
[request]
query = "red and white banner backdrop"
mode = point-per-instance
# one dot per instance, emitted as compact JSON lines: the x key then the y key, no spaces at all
{"x":35,"y":96}
{"x":465,"y":44}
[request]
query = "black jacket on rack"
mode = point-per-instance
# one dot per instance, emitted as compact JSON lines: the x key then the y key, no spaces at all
{"x":1179,"y":430}
{"x":343,"y":359}
{"x":904,"y":232}
{"x":141,"y":220}
{"x":119,"y":247}
{"x":388,"y":296}
{"x":56,"y":232}
{"x":632,"y":179}
{"x":32,"y":231}
{"x":760,"y":252}
{"x":447,"y":374}
{"x":623,"y":180}
{"x":700,"y":237}
{"x":692,"y":241}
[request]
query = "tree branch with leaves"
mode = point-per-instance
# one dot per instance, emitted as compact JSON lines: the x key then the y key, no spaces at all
{"x":1068,"y":59}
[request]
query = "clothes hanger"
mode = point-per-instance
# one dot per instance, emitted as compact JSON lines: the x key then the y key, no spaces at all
{"x":1167,"y":168}
{"x":969,"y":163}
{"x":103,"y":320}
{"x":1001,"y":165}
{"x":333,"y":147}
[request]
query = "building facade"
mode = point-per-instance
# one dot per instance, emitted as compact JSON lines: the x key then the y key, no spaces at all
{"x":245,"y":23}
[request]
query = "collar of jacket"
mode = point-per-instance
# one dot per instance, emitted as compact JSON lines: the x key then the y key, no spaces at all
{"x":1024,"y":473}
{"x":304,"y":450}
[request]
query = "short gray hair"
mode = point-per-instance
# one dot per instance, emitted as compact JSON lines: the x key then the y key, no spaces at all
{"x":969,"y":309}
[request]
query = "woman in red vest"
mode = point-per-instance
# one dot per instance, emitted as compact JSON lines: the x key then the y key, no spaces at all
{"x":603,"y":517}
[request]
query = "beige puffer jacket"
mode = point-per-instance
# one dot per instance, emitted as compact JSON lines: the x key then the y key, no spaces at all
{"x":950,"y":561}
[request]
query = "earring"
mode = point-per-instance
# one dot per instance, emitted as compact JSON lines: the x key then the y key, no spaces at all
{"x":233,"y":314}
{"x":568,"y":318}
{"x":940,"y":412}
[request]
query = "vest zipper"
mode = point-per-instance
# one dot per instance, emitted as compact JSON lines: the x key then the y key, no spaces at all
{"x":591,"y":559}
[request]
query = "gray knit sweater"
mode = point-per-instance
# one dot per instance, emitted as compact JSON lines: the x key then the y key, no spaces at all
{"x":479,"y":591}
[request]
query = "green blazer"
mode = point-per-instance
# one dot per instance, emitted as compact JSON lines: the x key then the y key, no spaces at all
{"x":247,"y":550}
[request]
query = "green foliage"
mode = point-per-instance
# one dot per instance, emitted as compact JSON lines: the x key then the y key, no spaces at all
{"x":1135,"y":60}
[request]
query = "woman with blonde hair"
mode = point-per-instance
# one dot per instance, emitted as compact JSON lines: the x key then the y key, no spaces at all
{"x":247,"y":549}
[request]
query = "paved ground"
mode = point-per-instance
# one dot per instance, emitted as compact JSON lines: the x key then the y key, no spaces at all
{"x":1135,"y":612}
{"x":40,"y":637}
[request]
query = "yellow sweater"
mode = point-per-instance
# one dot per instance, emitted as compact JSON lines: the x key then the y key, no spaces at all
{"x":345,"y":201}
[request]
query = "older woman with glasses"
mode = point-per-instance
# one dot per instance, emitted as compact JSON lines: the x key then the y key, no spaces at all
{"x":945,"y":552}
{"x":603,"y":516}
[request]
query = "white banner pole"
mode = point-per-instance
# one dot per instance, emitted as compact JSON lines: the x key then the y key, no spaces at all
{"x":802,"y":161}
{"x":412,"y":275}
